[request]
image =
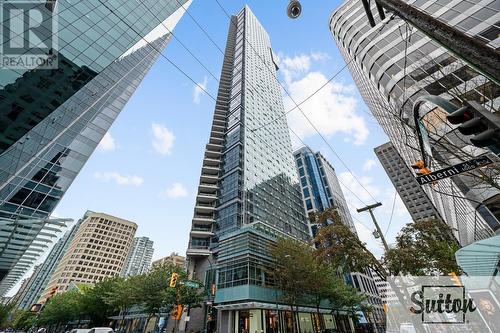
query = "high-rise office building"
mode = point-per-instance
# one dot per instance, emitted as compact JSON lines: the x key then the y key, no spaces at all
{"x":98,"y":250}
{"x":413,"y":196}
{"x":394,"y":64}
{"x":320,"y":185}
{"x":51,"y":120}
{"x":248,"y":192}
{"x":173,"y":259}
{"x":139,"y":257}
{"x":42,"y":275}
{"x":321,"y":190}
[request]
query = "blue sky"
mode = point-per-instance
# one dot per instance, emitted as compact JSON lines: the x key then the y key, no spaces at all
{"x":147,"y":168}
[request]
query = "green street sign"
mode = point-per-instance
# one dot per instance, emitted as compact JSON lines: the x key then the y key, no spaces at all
{"x":190,"y":284}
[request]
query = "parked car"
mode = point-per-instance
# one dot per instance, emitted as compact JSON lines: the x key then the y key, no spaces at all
{"x":101,"y":330}
{"x":80,"y":330}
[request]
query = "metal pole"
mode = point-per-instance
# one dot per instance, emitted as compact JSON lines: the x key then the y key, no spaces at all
{"x":476,"y":54}
{"x":370,"y":209}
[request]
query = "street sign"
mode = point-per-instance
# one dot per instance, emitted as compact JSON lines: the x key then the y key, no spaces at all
{"x":454,"y":170}
{"x":190,"y":284}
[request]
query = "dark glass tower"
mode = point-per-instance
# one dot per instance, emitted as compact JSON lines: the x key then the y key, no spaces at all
{"x":51,"y":120}
{"x":248,"y":193}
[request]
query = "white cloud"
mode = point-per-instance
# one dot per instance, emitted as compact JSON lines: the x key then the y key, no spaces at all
{"x":353,"y":190}
{"x":198,"y":90}
{"x":175,"y":191}
{"x":320,"y":56}
{"x":123,"y":180}
{"x":107,"y":143}
{"x":331,"y":110}
{"x":163,"y":139}
{"x":369,"y":164}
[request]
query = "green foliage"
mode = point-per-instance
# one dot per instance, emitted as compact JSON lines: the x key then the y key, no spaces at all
{"x":423,"y":248}
{"x":340,"y":247}
{"x":5,"y":310}
{"x":156,"y":293}
{"x":22,"y":319}
{"x":305,"y":278}
{"x":108,"y":297}
{"x":62,"y":308}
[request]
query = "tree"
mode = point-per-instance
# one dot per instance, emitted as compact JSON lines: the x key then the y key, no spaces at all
{"x":340,"y":247}
{"x":5,"y":310}
{"x":423,"y":248}
{"x":22,"y":319}
{"x":305,"y":278}
{"x":93,"y":301}
{"x":124,"y":294}
{"x":156,"y":296}
{"x":61,"y":308}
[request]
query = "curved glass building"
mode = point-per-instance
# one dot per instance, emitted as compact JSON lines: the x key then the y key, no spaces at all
{"x":393,"y":64}
{"x":52,"y":118}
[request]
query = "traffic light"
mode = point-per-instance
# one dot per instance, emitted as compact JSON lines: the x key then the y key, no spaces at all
{"x":455,"y":278}
{"x":177,"y":312}
{"x":422,"y":169}
{"x":53,"y":290}
{"x":173,"y":279}
{"x":476,"y":120}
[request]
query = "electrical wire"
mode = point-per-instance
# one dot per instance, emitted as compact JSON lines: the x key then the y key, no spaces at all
{"x":303,"y":113}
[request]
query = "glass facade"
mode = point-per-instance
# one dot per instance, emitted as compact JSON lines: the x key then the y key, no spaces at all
{"x":51,"y":120}
{"x":320,"y":185}
{"x":393,"y":65}
{"x":249,"y":191}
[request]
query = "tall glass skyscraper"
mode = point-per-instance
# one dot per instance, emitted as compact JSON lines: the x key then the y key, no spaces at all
{"x":51,"y":120}
{"x":321,"y":190}
{"x":249,"y":192}
{"x":393,"y":64}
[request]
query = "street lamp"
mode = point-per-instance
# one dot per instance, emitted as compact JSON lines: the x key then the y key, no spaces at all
{"x":209,"y":303}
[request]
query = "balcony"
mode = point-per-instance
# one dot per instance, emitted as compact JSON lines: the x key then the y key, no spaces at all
{"x":204,"y":208}
{"x":210,"y":179}
{"x":215,"y":146}
{"x":213,"y":154}
{"x":206,"y":219}
{"x":210,"y":170}
{"x":198,"y":251}
{"x":206,"y":197}
{"x":208,"y":188}
{"x":201,"y":231}
{"x":214,"y":162}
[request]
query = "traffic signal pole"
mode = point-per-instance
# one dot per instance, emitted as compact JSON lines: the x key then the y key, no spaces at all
{"x":476,"y":54}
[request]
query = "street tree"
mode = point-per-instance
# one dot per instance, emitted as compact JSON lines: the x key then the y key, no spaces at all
{"x":125,"y":293}
{"x":423,"y":248}
{"x":341,"y":247}
{"x":61,"y":308}
{"x":156,"y":296}
{"x":305,"y":278}
{"x":94,"y":301}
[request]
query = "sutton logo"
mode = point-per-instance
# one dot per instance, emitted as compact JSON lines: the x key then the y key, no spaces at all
{"x":442,"y":304}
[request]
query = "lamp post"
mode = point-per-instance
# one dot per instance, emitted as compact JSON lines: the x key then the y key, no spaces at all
{"x":208,"y":303}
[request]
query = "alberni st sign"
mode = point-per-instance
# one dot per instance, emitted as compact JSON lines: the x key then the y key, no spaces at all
{"x":454,"y":170}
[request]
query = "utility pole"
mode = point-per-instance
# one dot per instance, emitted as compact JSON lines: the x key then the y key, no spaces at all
{"x":370,"y":209}
{"x":476,"y":54}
